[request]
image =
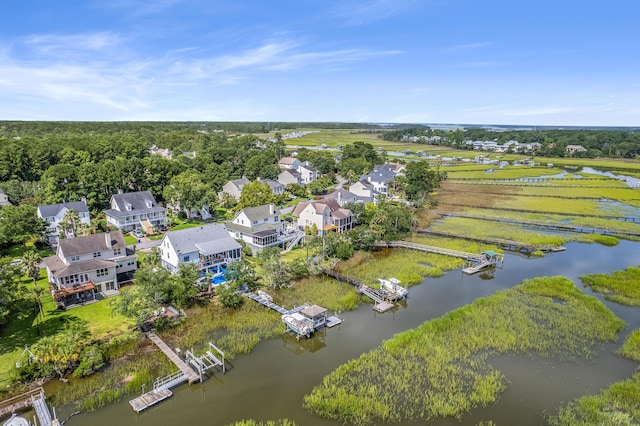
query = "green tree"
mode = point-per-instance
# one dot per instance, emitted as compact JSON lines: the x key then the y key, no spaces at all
{"x":31,"y":261}
{"x":19,"y":223}
{"x":70,"y":224}
{"x":421,"y":180}
{"x":255,"y":194}
{"x":187,"y":191}
{"x":12,"y":294}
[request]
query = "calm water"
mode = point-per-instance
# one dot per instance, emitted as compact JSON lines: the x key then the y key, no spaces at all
{"x":271,"y":382}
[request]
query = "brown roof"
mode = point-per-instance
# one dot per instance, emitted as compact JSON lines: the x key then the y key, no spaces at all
{"x":61,"y":269}
{"x":287,"y":160}
{"x":313,"y":311}
{"x":91,"y":243}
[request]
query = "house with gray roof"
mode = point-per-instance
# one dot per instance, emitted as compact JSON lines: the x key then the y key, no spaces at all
{"x":260,"y":227}
{"x":380,"y":177}
{"x":207,"y":246}
{"x":276,"y":187}
{"x":364,"y":190}
{"x":342,"y":196}
{"x":88,"y":268}
{"x":135,"y":210}
{"x":290,"y":176}
{"x":234,"y":187}
{"x":53,"y":215}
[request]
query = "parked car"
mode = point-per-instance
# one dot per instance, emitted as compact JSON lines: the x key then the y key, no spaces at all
{"x":136,"y":233}
{"x":162,"y":227}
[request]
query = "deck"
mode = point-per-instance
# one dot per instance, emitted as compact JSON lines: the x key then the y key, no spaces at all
{"x":149,"y":399}
{"x":190,"y":374}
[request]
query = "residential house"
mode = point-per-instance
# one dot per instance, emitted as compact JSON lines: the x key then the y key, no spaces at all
{"x":90,"y":267}
{"x":163,"y":152}
{"x":135,"y":210}
{"x":289,"y":163}
{"x":307,"y":173}
{"x":364,"y":190}
{"x":53,"y":214}
{"x":342,"y":196}
{"x":276,"y":187}
{"x":572,"y":149}
{"x":234,"y":187}
{"x":380,"y":177}
{"x":261,"y":227}
{"x":4,"y":199}
{"x":327,"y":215}
{"x":289,"y":176}
{"x":207,"y":246}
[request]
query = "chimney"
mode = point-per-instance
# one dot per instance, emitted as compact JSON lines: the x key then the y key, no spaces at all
{"x":84,"y":200}
{"x":272,"y":209}
{"x":107,"y":237}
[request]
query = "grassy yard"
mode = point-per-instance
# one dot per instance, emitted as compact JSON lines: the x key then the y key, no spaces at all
{"x":29,"y":329}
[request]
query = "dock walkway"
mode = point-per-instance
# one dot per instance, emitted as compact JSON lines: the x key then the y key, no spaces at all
{"x":428,"y":249}
{"x":383,"y":299}
{"x":499,"y":242}
{"x":271,"y":305}
{"x":34,"y":398}
{"x":191,"y":375}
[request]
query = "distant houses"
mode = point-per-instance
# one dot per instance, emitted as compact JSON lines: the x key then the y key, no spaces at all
{"x":306,"y":173}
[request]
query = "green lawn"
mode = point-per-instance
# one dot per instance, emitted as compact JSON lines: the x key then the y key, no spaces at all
{"x":29,"y":329}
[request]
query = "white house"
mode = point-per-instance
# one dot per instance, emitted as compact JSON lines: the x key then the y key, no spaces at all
{"x":53,"y":214}
{"x":134,"y":210}
{"x":307,"y":173}
{"x":364,"y":190}
{"x":327,"y":215}
{"x":206,"y":246}
{"x":260,"y":227}
{"x":89,"y":267}
{"x":289,"y":163}
{"x":234,"y":187}
{"x":380,"y":177}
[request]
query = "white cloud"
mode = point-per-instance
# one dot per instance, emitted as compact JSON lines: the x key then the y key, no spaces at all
{"x":358,"y":12}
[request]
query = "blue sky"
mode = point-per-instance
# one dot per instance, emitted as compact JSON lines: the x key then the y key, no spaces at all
{"x":421,"y":61}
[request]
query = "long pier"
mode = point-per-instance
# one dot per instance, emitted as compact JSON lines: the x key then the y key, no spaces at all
{"x":190,"y":374}
{"x":429,"y":249}
{"x":269,"y":304}
{"x":502,"y":243}
{"x":544,"y":225}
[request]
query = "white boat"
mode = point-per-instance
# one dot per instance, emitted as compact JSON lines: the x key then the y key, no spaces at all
{"x":393,"y":285}
{"x":16,"y":421}
{"x":298,"y":323}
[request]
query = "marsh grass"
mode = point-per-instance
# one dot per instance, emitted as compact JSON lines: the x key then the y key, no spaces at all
{"x":619,"y":404}
{"x":631,"y":346}
{"x":282,"y":422}
{"x":440,"y":368}
{"x":620,"y":286}
{"x":409,"y":266}
{"x":451,"y":243}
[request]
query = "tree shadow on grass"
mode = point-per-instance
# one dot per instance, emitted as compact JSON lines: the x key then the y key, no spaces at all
{"x":29,"y":329}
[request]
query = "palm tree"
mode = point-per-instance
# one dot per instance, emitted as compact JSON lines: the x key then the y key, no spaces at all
{"x":70,"y":223}
{"x":32,"y":261}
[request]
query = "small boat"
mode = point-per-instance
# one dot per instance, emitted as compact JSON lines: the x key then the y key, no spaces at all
{"x":299,"y":324}
{"x":393,"y":286}
{"x":16,"y":421}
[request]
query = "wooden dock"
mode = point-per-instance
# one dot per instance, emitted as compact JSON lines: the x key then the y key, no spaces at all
{"x":502,"y":243}
{"x":269,"y":304}
{"x":428,"y":249}
{"x":190,"y":374}
{"x":149,"y":399}
{"x":383,"y":299}
{"x":35,"y":399}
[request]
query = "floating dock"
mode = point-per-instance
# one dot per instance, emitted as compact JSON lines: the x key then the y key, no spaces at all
{"x":149,"y":399}
{"x":489,"y":259}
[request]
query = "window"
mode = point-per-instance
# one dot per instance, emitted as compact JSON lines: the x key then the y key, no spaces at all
{"x":110,"y":285}
{"x":102,"y":272}
{"x":117,"y":251}
{"x":185,"y":259}
{"x":97,"y":254}
{"x":74,"y":258}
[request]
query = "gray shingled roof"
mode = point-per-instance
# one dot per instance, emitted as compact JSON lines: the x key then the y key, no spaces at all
{"x":258,"y":212}
{"x":137,"y":200}
{"x":60,"y":269}
{"x":51,"y":210}
{"x":204,"y":237}
{"x":91,"y":243}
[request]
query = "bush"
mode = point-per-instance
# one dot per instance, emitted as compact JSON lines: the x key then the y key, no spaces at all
{"x":91,"y":359}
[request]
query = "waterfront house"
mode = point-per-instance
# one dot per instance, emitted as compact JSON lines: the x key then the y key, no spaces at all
{"x":364,"y":190}
{"x":135,"y":210}
{"x":90,"y":267}
{"x":53,"y":215}
{"x":327,"y":215}
{"x":207,"y":246}
{"x":260,"y":227}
